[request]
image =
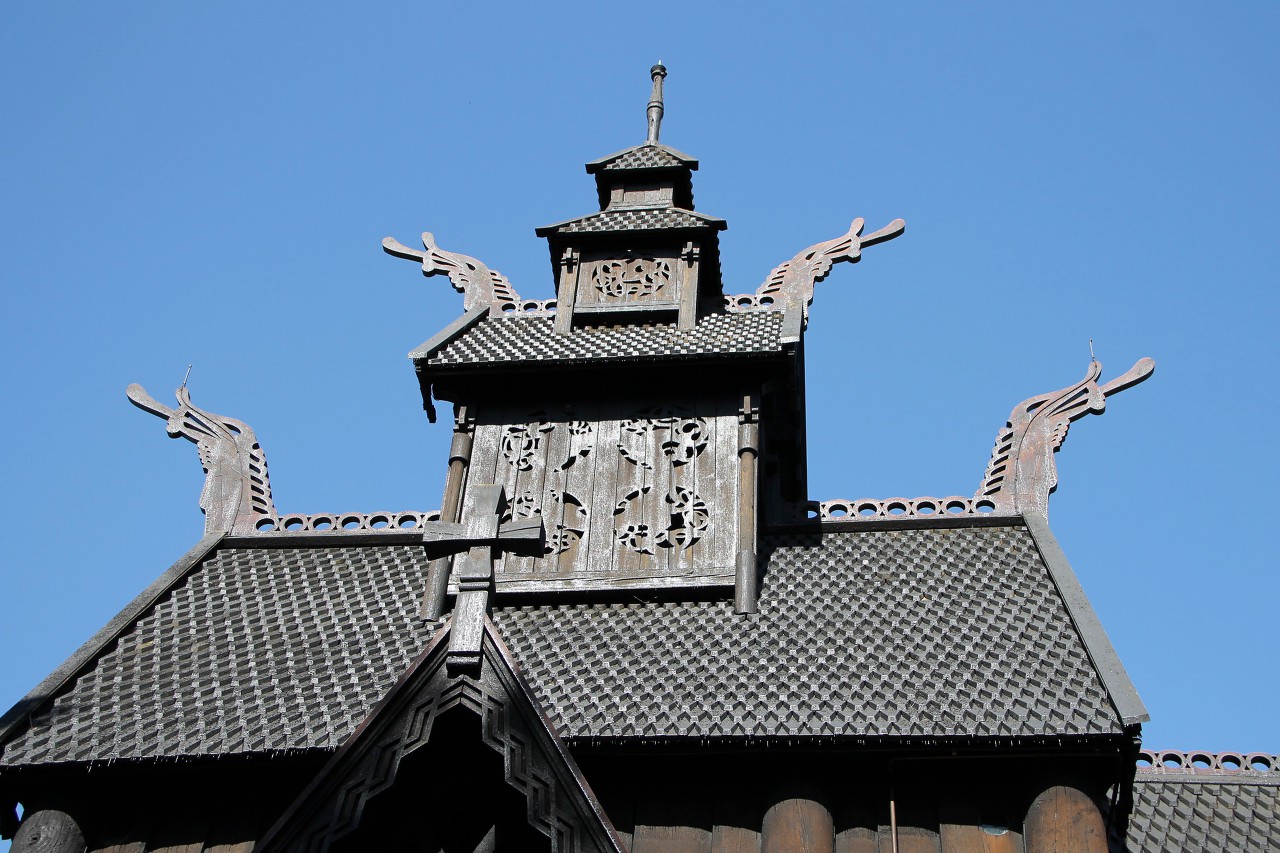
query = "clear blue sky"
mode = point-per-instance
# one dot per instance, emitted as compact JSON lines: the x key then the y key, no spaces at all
{"x":208,"y":184}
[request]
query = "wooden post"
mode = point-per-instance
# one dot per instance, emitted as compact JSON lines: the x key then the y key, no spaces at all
{"x":48,"y":831}
{"x":568,"y":295}
{"x":1065,"y":819}
{"x":745,"y":587}
{"x":433,"y":598}
{"x":688,"y":317}
{"x":798,"y":826}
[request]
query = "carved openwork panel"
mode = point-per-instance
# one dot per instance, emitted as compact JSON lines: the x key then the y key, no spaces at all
{"x":629,"y":495}
{"x":651,"y":279}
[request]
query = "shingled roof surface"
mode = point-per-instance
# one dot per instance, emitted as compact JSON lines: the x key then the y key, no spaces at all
{"x":647,"y":156}
{"x":635,"y":219}
{"x":893,"y":633}
{"x":909,"y":632}
{"x":503,"y":340}
{"x":1189,"y":813}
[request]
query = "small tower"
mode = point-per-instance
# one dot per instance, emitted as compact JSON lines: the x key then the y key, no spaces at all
{"x":646,"y":256}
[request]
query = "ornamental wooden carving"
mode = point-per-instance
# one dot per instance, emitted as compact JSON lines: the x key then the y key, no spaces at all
{"x":480,"y":286}
{"x":631,"y":495}
{"x":236,"y":491}
{"x":1022,"y":474}
{"x":791,"y":284}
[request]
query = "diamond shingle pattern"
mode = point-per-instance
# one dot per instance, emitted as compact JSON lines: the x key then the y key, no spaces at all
{"x":891,"y":633}
{"x":514,"y":339}
{"x":644,"y":157}
{"x":259,"y":649}
{"x":1189,"y":814}
{"x":635,"y":219}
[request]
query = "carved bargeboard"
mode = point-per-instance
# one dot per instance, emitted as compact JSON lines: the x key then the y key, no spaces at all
{"x":629,"y":496}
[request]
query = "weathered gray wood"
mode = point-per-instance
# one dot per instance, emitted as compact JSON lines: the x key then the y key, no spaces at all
{"x":48,"y":831}
{"x":797,"y":825}
{"x":744,"y":600}
{"x":567,"y":293}
{"x":691,"y":257}
{"x":1064,"y":819}
{"x":133,"y":847}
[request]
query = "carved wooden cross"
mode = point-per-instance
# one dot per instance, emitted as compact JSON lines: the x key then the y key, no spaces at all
{"x":480,"y":537}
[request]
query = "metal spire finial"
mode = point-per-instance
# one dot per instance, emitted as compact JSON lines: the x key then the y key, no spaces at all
{"x":657,"y":72}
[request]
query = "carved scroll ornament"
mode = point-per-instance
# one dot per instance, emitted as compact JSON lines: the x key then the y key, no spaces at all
{"x":791,"y":284}
{"x":237,"y":492}
{"x":480,"y":286}
{"x":1022,"y":474}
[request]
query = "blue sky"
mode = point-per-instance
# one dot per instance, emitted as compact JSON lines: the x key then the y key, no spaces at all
{"x":208,"y":184}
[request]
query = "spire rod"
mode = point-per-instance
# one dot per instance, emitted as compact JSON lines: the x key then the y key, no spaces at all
{"x":654,"y":111}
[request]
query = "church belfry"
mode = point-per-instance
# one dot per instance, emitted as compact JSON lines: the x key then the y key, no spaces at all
{"x":633,"y":417}
{"x":646,"y":256}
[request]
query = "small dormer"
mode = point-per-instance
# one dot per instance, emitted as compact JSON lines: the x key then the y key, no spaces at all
{"x":646,"y":256}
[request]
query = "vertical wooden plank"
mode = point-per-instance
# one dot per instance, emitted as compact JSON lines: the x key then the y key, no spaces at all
{"x":240,"y":847}
{"x":963,"y":815}
{"x":734,"y":839}
{"x":1064,"y":819}
{"x":130,"y":847}
{"x":857,"y":839}
{"x":918,"y":839}
{"x":671,"y":839}
{"x":797,"y":825}
{"x":600,"y":539}
{"x":577,"y":481}
{"x":968,"y":838}
{"x":724,"y":489}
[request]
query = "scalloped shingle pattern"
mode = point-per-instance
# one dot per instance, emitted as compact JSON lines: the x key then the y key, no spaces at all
{"x":513,"y":339}
{"x":943,"y":632}
{"x":258,"y":650}
{"x":895,"y":633}
{"x":639,"y":219}
{"x":644,"y":157}
{"x":1186,"y":814}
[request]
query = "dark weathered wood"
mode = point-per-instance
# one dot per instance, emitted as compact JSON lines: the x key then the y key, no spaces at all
{"x":1064,"y":819}
{"x":133,"y":847}
{"x":671,"y":839}
{"x":240,"y":847}
{"x":797,"y":825}
{"x":734,"y":839}
{"x":48,"y":831}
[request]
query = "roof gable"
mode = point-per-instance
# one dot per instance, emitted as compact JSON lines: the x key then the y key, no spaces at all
{"x":535,"y":762}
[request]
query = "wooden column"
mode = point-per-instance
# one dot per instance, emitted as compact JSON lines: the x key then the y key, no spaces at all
{"x":433,"y":598}
{"x":1065,"y":819}
{"x":746,"y":580}
{"x":48,"y":831}
{"x":568,"y":292}
{"x":688,"y":317}
{"x":798,"y":825}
